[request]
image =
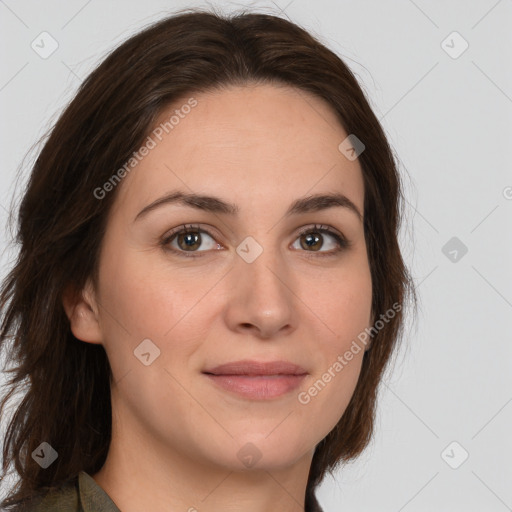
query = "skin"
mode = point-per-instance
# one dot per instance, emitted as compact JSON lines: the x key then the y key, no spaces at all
{"x":176,"y":435}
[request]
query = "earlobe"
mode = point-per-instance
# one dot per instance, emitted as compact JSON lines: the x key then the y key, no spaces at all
{"x":82,"y":312}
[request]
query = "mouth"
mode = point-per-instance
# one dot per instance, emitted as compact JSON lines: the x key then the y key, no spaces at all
{"x":257,"y":380}
{"x":257,"y":368}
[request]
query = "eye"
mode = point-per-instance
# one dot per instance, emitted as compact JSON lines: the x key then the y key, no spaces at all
{"x":313,"y":239}
{"x":189,"y":239}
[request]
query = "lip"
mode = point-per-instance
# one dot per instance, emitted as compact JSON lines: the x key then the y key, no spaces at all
{"x":257,"y":380}
{"x":257,"y":368}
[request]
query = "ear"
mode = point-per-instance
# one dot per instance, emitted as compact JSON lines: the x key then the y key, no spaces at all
{"x":82,"y":312}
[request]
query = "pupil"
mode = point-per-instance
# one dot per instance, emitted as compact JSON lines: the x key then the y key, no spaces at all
{"x":192,"y":240}
{"x":311,"y":240}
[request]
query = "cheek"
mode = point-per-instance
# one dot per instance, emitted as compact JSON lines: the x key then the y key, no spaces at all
{"x":325,"y":397}
{"x":135,"y":302}
{"x":143,"y":298}
{"x":344,"y":303}
{"x":324,"y":401}
{"x":344,"y":310}
{"x":144,"y":295}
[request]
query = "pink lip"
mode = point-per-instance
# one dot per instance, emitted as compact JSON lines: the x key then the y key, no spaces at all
{"x":247,"y":367}
{"x":262,"y":387}
{"x":258,"y":380}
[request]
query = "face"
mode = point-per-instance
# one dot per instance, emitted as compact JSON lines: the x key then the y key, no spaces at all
{"x":263,"y":283}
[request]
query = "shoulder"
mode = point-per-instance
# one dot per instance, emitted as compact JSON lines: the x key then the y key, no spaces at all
{"x":80,"y":494}
{"x":62,"y":499}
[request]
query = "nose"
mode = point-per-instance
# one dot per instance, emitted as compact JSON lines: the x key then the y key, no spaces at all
{"x":261,"y":299}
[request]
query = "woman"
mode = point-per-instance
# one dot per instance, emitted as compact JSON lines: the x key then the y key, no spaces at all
{"x":209,"y":285}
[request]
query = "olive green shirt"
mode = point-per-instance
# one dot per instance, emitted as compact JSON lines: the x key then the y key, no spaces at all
{"x":82,"y":494}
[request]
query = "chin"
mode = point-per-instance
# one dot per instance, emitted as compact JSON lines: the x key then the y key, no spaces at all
{"x":265,"y":452}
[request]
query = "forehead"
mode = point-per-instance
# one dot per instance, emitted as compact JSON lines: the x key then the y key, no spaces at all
{"x":251,"y":142}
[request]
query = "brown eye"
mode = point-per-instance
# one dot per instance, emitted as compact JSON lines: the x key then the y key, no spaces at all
{"x":189,"y":241}
{"x":322,"y":240}
{"x":311,"y":241}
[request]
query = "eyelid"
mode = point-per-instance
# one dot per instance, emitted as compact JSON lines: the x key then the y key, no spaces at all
{"x":320,"y":228}
{"x":342,"y":242}
{"x":185,"y":228}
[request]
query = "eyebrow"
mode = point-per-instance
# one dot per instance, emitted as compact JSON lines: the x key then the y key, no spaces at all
{"x":308,"y":204}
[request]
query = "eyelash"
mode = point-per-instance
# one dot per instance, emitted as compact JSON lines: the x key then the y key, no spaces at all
{"x":342,"y":242}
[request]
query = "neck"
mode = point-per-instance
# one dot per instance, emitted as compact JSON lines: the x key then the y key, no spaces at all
{"x":151,"y":475}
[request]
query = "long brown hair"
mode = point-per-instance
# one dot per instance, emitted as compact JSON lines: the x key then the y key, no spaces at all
{"x":66,"y":383}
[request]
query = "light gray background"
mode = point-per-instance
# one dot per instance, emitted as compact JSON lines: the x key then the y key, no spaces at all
{"x":449,"y":120}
